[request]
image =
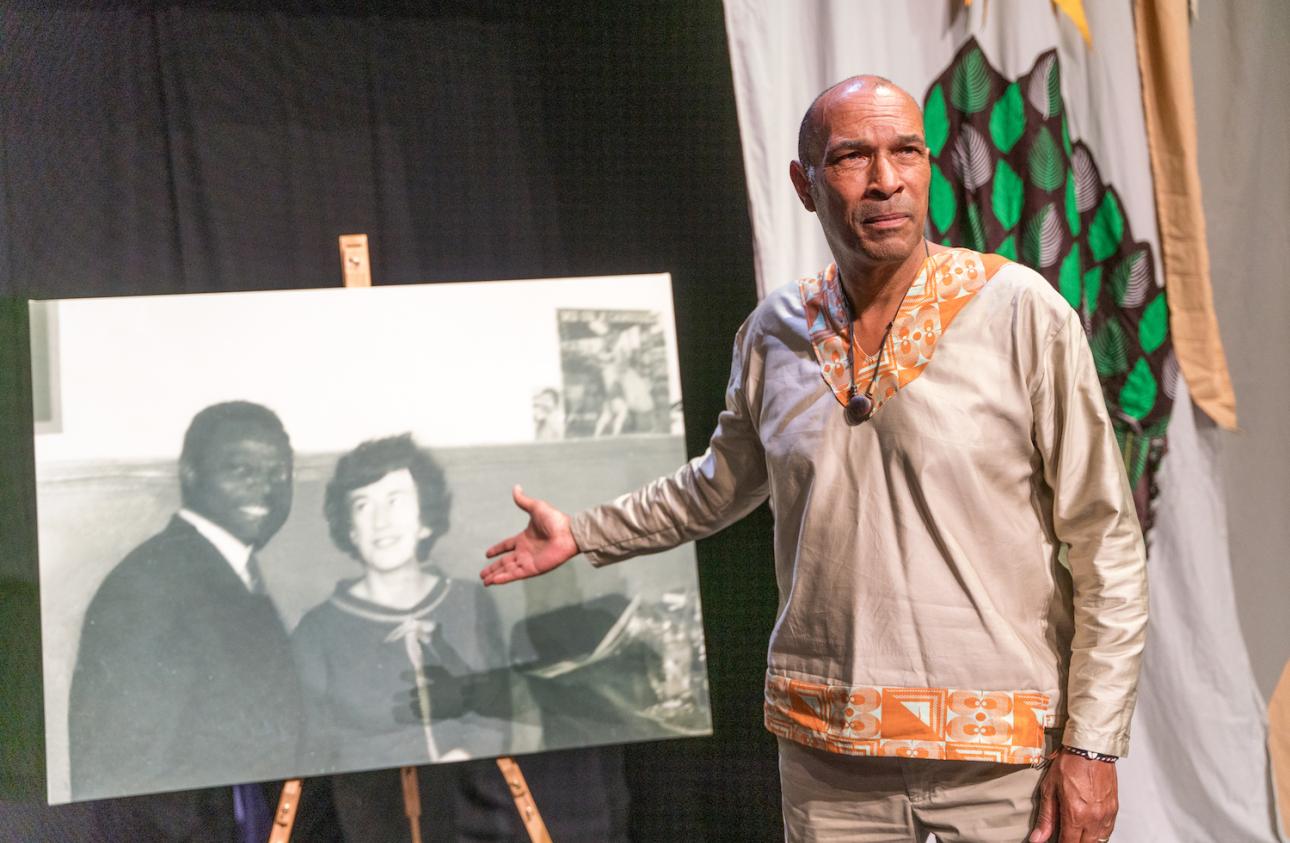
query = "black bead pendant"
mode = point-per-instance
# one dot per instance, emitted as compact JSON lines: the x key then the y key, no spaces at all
{"x":858,"y":409}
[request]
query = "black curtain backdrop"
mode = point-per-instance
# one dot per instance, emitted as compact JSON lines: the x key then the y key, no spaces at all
{"x":194,"y":147}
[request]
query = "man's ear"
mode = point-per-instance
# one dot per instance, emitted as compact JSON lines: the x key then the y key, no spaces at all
{"x":802,"y":184}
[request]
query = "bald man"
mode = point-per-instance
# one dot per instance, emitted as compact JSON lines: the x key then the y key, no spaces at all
{"x":961,"y":573}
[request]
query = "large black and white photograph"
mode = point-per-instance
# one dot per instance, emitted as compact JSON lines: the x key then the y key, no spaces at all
{"x":262,"y":516}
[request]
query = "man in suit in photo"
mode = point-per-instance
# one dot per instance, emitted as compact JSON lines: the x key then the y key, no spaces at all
{"x":184,"y":674}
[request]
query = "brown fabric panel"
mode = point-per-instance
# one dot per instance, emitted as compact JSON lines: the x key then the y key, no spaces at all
{"x":1169,"y":107}
{"x":1279,"y":745}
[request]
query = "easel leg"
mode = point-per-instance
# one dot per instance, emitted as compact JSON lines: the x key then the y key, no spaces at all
{"x":411,"y":801}
{"x":524,"y":803}
{"x":284,"y":819}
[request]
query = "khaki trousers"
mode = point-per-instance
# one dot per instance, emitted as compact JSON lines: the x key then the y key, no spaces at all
{"x":831,"y":797}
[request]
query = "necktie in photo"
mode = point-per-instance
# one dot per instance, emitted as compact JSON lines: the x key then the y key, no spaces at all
{"x":255,"y":579}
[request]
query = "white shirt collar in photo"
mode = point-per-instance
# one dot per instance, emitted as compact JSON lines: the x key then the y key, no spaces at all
{"x":237,"y":555}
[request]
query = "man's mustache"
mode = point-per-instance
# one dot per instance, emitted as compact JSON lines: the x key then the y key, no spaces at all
{"x":873,"y":210}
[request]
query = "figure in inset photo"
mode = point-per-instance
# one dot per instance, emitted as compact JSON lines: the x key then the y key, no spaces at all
{"x":548,"y":415}
{"x":614,"y":364}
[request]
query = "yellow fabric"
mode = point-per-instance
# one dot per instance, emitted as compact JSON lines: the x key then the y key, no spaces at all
{"x":1168,"y":105}
{"x":977,"y":535}
{"x":1279,"y":745}
{"x":1074,"y":9}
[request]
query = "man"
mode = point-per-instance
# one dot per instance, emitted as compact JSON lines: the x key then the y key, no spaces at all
{"x":184,"y":674}
{"x":961,"y":572}
{"x":548,"y":416}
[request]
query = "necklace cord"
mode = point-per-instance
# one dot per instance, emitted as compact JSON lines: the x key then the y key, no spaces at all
{"x":882,"y":345}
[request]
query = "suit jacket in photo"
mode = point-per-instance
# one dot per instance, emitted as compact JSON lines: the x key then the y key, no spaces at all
{"x":184,"y":677}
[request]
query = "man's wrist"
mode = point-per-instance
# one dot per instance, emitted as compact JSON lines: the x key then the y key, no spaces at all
{"x":1089,"y":754}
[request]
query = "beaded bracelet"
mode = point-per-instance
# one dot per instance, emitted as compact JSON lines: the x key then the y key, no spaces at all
{"x":1089,"y":754}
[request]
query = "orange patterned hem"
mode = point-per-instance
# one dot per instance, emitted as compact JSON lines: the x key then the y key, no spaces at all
{"x":1005,"y":727}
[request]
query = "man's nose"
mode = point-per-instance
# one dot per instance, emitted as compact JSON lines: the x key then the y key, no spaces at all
{"x":884,"y":180}
{"x":258,"y":484}
{"x":264,"y":482}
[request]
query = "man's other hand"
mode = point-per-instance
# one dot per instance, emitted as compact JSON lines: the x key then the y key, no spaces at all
{"x":1077,"y":799}
{"x":546,"y":543}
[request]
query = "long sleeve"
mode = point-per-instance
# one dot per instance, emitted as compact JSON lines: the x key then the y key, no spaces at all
{"x":1093,"y":515}
{"x":705,"y":495}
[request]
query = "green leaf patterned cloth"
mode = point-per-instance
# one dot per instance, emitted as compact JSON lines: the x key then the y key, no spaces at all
{"x":1007,"y":178}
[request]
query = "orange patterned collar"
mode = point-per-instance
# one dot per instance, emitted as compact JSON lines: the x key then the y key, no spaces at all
{"x":947,"y":282}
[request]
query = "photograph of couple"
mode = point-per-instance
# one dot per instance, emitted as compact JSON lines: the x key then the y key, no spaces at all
{"x":396,"y":646}
{"x":272,"y":604}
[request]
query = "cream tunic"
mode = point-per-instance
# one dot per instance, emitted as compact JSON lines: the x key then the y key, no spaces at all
{"x":958,"y":573}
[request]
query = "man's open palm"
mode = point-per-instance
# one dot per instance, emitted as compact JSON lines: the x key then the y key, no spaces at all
{"x":546,"y":543}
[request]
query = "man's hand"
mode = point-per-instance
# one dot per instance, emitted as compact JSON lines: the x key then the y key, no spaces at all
{"x":1077,"y":797}
{"x":546,"y":543}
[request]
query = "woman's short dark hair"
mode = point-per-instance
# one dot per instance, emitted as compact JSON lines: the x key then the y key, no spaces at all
{"x":371,"y":461}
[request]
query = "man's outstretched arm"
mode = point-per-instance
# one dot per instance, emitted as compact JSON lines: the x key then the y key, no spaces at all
{"x":545,"y":544}
{"x":703,"y":496}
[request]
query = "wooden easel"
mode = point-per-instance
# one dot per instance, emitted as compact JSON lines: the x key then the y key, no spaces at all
{"x":356,"y":268}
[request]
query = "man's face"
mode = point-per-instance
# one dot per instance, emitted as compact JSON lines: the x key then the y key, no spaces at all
{"x":241,"y":481}
{"x":544,"y":404}
{"x":872,"y":173}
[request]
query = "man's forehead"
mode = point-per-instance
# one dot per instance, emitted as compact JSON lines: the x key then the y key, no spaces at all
{"x":869,"y":109}
{"x":396,"y":479}
{"x":237,"y":435}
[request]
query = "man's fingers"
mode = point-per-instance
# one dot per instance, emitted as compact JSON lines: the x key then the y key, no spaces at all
{"x":1070,"y":833}
{"x":1043,"y":829}
{"x":499,"y":568}
{"x":543,"y":544}
{"x":1071,"y":826}
{"x":1091,"y":835}
{"x":522,"y":500}
{"x":497,"y":573}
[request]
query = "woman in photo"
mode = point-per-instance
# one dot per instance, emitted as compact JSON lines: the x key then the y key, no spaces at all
{"x":401,"y":665}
